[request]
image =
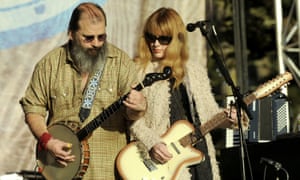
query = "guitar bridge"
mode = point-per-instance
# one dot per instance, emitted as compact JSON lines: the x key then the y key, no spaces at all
{"x":149,"y":164}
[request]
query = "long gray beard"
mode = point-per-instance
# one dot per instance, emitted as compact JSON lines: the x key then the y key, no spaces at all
{"x":85,"y":62}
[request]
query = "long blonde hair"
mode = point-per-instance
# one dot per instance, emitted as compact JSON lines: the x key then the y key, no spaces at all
{"x":166,"y":22}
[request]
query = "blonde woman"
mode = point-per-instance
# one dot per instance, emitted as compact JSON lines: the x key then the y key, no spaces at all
{"x":187,"y":95}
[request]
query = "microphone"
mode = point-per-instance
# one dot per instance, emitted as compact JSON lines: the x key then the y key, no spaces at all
{"x":192,"y":26}
{"x":275,"y":164}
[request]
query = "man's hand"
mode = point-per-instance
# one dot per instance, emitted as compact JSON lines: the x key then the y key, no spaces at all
{"x":62,"y":151}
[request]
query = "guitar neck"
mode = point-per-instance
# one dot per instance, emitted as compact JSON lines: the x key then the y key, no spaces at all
{"x":213,"y":123}
{"x":105,"y":114}
{"x":262,"y":91}
{"x":96,"y":122}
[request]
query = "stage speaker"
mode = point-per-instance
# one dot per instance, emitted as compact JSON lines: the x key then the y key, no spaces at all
{"x":261,"y":123}
{"x":270,"y":118}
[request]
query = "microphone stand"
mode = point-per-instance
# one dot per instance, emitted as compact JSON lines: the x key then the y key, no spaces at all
{"x":239,"y":103}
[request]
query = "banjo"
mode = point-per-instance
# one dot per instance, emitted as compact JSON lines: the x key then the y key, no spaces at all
{"x":70,"y":132}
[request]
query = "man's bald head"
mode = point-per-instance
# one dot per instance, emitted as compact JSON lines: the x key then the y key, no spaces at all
{"x":84,"y":11}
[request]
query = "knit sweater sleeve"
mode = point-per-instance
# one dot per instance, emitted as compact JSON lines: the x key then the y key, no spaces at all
{"x":147,"y":135}
{"x":154,"y":124}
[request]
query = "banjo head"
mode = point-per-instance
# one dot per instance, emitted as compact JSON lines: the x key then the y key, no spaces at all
{"x":47,"y":163}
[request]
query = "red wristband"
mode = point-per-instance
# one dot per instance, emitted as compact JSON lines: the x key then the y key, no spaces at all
{"x":45,"y":137}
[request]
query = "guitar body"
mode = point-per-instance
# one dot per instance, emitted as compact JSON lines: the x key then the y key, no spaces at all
{"x":131,"y":166}
{"x":47,"y":163}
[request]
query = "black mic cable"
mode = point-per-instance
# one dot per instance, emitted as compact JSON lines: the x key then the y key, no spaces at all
{"x":275,"y":164}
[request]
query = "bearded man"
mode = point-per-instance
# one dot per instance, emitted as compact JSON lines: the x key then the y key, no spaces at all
{"x":72,"y":85}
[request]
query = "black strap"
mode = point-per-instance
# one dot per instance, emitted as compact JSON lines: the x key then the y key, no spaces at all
{"x":193,"y":115}
{"x":183,"y":107}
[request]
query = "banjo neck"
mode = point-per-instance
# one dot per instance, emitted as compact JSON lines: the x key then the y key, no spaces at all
{"x":105,"y":114}
{"x":97,"y":121}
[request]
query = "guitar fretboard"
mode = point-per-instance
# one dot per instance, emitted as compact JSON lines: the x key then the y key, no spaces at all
{"x":95,"y":123}
{"x":105,"y":114}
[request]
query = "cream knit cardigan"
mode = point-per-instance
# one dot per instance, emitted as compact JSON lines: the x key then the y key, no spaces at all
{"x":156,"y":120}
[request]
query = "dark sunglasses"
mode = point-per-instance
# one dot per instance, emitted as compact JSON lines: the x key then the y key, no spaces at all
{"x":163,"y":40}
{"x":88,"y":38}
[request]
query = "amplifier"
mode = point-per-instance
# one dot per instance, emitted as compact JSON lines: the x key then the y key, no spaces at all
{"x":270,"y":118}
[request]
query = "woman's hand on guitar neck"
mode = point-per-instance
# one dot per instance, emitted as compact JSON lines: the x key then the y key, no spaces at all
{"x":61,"y":150}
{"x":231,"y":118}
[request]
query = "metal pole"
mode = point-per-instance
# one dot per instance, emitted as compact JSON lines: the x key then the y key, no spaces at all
{"x":279,"y":39}
{"x":242,"y":66}
{"x":298,"y":22}
{"x":240,"y":44}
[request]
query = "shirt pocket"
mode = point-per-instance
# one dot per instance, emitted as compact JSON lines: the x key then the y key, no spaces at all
{"x":107,"y":93}
{"x":63,"y":99}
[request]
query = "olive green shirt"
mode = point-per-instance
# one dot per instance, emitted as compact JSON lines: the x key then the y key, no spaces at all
{"x":55,"y":91}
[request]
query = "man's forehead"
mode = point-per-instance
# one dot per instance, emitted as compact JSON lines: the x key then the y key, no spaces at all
{"x":92,"y":25}
{"x":92,"y":16}
{"x":90,"y":11}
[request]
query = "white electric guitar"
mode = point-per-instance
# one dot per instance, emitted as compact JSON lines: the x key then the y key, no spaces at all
{"x":133,"y":164}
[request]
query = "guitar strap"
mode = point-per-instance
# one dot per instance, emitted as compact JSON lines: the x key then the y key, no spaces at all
{"x":183,"y":107}
{"x":202,"y":170}
{"x":189,"y":103}
{"x":90,"y":93}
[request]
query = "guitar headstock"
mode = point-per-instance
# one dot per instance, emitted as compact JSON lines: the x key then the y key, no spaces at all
{"x":153,"y":77}
{"x":272,"y":85}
